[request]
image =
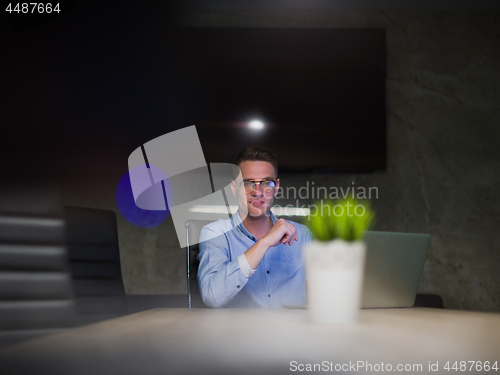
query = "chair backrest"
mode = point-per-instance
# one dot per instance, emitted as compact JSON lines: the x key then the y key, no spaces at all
{"x":428,"y":300}
{"x":193,"y":230}
{"x":94,"y":257}
{"x":36,"y":296}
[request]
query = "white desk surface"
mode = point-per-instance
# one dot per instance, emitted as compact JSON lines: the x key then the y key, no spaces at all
{"x":262,"y":341}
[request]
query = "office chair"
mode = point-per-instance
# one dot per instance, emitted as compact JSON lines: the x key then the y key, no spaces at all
{"x":36,"y":296}
{"x":94,"y":259}
{"x":193,"y":230}
{"x":428,"y":300}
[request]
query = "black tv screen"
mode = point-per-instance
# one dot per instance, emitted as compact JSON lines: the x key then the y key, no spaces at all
{"x":75,"y":102}
{"x":316,"y":96}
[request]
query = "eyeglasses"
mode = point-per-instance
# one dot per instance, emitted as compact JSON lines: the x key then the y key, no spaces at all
{"x":265,"y":185}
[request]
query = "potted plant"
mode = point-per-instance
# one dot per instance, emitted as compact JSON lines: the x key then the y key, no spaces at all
{"x":335,"y":258}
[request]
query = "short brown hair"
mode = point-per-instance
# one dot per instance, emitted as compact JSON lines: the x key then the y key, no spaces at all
{"x":257,"y":153}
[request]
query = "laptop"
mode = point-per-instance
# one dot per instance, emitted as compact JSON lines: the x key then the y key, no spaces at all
{"x":393,"y":268}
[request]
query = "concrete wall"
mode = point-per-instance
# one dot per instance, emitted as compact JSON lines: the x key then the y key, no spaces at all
{"x":443,"y":90}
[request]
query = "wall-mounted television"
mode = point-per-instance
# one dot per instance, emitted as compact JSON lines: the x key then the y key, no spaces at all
{"x":76,"y":103}
{"x":316,"y":96}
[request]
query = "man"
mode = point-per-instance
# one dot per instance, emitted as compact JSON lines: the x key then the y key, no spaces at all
{"x":257,"y":261}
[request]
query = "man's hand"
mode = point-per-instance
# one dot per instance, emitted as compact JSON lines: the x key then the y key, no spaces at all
{"x":281,"y":232}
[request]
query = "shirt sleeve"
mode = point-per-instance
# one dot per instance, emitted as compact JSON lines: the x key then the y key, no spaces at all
{"x":245,"y":266}
{"x":220,"y":278}
{"x":308,"y":237}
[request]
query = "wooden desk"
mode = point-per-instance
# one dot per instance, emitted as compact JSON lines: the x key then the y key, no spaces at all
{"x":261,"y":341}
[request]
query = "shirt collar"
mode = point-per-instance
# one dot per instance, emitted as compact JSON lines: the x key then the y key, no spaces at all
{"x":236,"y":221}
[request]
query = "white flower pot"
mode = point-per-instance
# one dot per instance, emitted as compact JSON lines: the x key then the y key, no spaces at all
{"x":334,"y":280}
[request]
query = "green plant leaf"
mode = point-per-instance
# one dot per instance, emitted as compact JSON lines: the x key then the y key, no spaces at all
{"x":346,"y":219}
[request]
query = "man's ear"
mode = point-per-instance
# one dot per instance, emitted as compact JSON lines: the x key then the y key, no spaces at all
{"x":233,"y":188}
{"x":277,"y":186}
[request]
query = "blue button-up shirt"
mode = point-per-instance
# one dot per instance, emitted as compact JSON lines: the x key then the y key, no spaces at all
{"x":279,"y":278}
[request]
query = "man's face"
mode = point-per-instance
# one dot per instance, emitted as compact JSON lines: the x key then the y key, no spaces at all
{"x":257,"y":200}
